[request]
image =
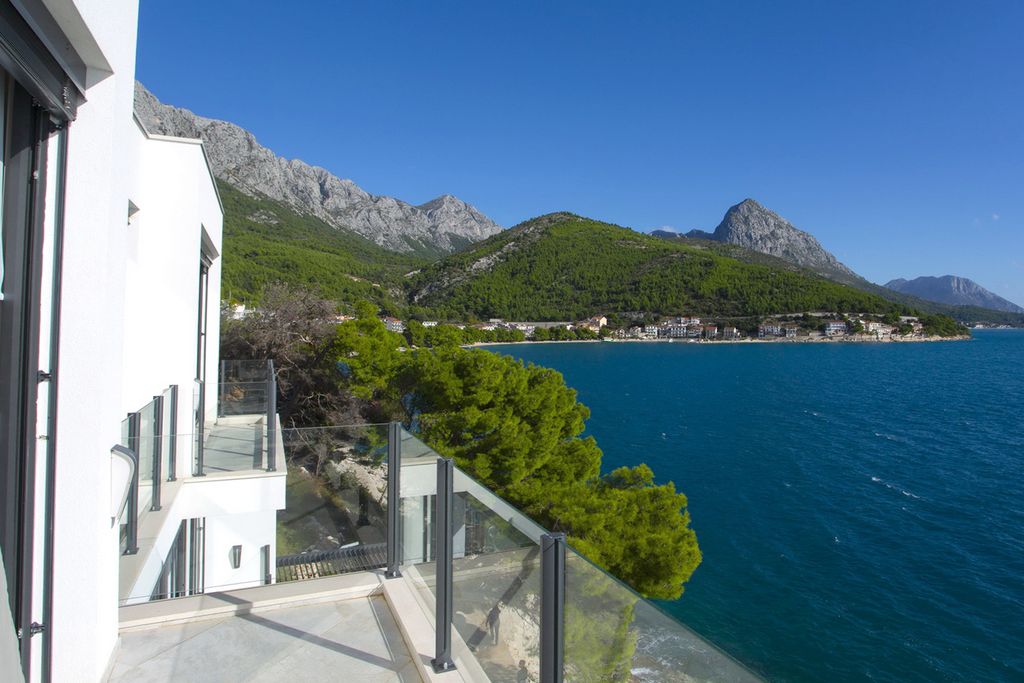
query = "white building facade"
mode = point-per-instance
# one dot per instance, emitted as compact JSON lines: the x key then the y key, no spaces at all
{"x":110,"y":282}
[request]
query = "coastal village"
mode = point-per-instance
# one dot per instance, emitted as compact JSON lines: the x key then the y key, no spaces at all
{"x":792,"y":327}
{"x":802,"y":327}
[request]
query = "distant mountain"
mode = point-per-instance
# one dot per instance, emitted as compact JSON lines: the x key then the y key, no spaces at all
{"x":440,"y":226}
{"x":772,"y":253}
{"x":957,"y":291}
{"x":566,"y":267}
{"x":751,"y":225}
{"x":700,"y":235}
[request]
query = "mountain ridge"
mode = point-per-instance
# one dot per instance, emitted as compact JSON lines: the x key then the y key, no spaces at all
{"x":953,"y":290}
{"x":441,"y":225}
{"x":752,"y":226}
{"x":566,"y":267}
{"x":749,"y":224}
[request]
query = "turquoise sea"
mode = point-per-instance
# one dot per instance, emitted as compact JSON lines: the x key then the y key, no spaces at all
{"x":860,"y":507}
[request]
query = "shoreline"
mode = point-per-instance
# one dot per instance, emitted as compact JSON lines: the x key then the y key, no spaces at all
{"x":707,"y":342}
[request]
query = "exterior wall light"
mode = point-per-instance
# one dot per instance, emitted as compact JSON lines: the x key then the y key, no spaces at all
{"x":236,"y":556}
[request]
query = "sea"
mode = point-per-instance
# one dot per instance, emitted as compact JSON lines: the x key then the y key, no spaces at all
{"x":860,"y":507}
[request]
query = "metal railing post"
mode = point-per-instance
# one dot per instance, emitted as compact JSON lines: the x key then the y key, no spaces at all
{"x":394,"y":500}
{"x":131,"y":542}
{"x":257,"y":447}
{"x":172,"y":436}
{"x":552,"y":607}
{"x":221,"y":388}
{"x":271,"y":417}
{"x":158,"y":440}
{"x":442,"y":660}
{"x":200,"y":428}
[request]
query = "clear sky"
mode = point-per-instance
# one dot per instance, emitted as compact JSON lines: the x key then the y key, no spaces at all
{"x":892,"y":131}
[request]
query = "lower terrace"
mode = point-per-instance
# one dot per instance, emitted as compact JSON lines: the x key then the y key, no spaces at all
{"x":358,"y":553}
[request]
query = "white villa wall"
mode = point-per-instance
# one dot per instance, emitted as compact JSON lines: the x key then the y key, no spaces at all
{"x":128,"y":316}
{"x":178,"y":209}
{"x":248,"y":530}
{"x":92,"y":322}
{"x":239,"y":510}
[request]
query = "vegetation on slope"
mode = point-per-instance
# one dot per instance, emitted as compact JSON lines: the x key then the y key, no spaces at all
{"x":553,"y":278}
{"x":563,"y":267}
{"x":266,"y":242}
{"x":965,"y":314}
{"x":516,"y":428}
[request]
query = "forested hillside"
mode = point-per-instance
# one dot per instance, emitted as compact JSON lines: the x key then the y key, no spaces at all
{"x":962,"y":313}
{"x":556,"y":267}
{"x":565,"y":267}
{"x":266,"y":242}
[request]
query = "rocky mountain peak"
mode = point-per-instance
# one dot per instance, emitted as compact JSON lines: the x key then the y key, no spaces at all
{"x":443,"y":200}
{"x":441,"y":225}
{"x":751,"y":225}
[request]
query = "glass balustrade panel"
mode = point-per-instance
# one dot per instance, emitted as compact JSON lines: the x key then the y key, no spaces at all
{"x":145,"y":442}
{"x":333,"y":481}
{"x":168,"y":440}
{"x":496,"y":582}
{"x":611,"y":633}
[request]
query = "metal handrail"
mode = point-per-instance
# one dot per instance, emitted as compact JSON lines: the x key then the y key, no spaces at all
{"x":130,"y":498}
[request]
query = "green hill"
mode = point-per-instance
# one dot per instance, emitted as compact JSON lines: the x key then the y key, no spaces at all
{"x":266,"y":241}
{"x":556,"y":267}
{"x":964,"y":314}
{"x":565,"y":267}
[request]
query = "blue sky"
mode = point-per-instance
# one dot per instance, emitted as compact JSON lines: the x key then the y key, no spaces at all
{"x":892,"y":131}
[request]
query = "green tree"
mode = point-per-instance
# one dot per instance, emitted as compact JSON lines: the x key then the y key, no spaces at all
{"x":368,"y":353}
{"x":416,"y":333}
{"x":941,"y":325}
{"x":495,"y":416}
{"x":517,"y":429}
{"x":636,"y":529}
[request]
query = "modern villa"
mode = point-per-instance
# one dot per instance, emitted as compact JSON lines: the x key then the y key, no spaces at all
{"x":150,"y":525}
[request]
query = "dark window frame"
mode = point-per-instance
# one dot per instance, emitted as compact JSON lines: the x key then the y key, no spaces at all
{"x":28,"y":128}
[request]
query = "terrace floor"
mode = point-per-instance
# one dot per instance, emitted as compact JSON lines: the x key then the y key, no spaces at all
{"x":354,"y":627}
{"x":235,"y":444}
{"x":356,"y":639}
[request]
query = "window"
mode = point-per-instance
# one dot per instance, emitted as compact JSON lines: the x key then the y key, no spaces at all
{"x":204,"y":285}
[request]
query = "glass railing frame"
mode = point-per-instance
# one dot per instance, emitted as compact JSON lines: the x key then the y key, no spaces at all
{"x":653,"y":605}
{"x":130,"y":508}
{"x":170,"y":430}
{"x":555,"y":591}
{"x":271,"y":417}
{"x":157,"y":450}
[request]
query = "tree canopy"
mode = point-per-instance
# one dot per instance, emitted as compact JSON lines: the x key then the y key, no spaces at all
{"x":516,"y":428}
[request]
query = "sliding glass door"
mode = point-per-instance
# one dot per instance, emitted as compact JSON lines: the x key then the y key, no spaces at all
{"x":24,"y":129}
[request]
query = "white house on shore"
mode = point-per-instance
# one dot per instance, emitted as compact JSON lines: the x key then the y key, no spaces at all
{"x":835,"y":328}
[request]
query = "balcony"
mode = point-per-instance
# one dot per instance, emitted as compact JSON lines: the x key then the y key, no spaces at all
{"x":198,"y":488}
{"x":389,"y":563}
